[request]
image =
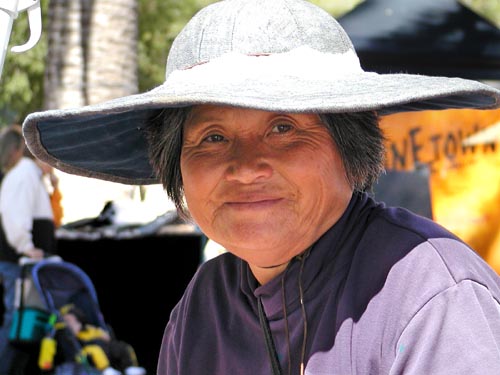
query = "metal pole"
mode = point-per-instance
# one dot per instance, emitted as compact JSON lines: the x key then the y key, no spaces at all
{"x":8,"y":12}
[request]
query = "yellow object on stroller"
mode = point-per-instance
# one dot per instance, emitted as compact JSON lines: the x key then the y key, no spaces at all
{"x":67,"y":293}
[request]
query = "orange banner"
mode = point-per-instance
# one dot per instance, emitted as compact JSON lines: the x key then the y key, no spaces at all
{"x":464,"y":178}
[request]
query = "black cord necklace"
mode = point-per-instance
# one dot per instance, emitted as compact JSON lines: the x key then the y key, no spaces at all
{"x":271,"y":349}
{"x":268,"y":336}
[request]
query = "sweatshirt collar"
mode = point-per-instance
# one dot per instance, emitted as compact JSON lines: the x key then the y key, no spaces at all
{"x":331,"y":250}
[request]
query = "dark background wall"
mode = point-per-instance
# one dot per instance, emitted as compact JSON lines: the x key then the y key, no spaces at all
{"x":138,"y":282}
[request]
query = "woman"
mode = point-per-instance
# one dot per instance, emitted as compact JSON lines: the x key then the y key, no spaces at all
{"x":266,"y":134}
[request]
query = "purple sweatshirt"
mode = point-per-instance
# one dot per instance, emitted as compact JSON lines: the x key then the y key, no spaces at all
{"x":385,"y":292}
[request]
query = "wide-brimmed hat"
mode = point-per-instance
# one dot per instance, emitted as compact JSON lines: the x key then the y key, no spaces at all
{"x":275,"y":55}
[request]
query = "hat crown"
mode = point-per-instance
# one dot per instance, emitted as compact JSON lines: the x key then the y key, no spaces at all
{"x":255,"y":27}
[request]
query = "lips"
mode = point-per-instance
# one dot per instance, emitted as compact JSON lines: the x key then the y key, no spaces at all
{"x":253,"y":204}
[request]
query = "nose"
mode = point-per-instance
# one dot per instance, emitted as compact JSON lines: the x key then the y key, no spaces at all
{"x":249,"y":163}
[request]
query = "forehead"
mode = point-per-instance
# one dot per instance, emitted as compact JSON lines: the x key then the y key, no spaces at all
{"x":208,"y":113}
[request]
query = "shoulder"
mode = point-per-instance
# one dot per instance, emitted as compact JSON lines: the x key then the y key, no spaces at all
{"x":24,"y":169}
{"x":407,"y":258}
{"x":221,"y":273}
{"x":408,"y":238}
{"x":402,"y":222}
{"x":406,"y":264}
{"x":215,"y":280}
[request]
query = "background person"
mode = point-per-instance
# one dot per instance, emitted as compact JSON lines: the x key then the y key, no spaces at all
{"x":266,"y":133}
{"x":26,"y":230}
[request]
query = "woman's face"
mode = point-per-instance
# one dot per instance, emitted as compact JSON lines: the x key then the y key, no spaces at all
{"x":264,"y":185}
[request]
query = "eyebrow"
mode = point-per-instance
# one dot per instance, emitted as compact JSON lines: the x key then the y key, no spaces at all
{"x":196,"y":121}
{"x":199,"y":117}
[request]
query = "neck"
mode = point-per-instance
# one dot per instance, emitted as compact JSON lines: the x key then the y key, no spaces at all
{"x":266,"y":274}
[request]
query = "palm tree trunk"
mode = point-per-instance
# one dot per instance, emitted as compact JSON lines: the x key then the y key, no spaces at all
{"x":92,"y":57}
{"x":92,"y":51}
{"x":64,"y":84}
{"x":112,"y":59}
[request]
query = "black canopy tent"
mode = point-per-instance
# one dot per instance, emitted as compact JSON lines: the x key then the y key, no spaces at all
{"x":433,"y":37}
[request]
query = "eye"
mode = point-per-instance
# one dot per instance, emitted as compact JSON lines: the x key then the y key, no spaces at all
{"x":282,"y":128}
{"x":214,"y":138}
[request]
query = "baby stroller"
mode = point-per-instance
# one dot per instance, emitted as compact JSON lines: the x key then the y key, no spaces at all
{"x":45,"y":288}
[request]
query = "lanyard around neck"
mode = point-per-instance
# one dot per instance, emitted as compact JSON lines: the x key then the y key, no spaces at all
{"x":271,"y":349}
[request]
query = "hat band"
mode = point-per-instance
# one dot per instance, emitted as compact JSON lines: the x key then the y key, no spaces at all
{"x":309,"y":63}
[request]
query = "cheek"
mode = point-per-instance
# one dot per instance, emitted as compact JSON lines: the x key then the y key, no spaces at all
{"x":324,"y":176}
{"x":193,"y":175}
{"x":199,"y":180}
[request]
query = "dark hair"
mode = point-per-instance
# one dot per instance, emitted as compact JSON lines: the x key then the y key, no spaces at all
{"x":164,"y":135}
{"x":360,"y":142}
{"x":359,"y":139}
{"x":11,"y":140}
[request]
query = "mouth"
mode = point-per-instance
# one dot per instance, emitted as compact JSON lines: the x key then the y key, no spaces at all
{"x":253,"y":204}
